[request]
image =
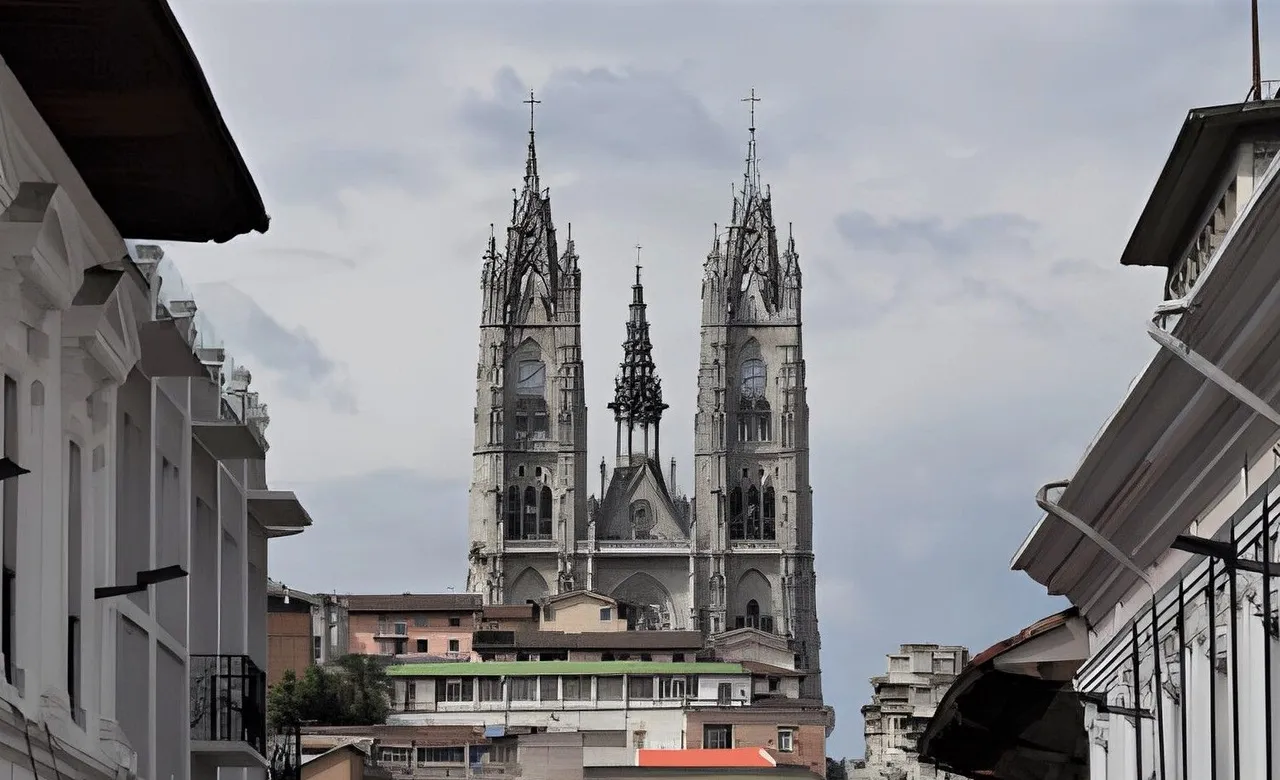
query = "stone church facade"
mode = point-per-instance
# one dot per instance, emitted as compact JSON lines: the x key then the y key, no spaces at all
{"x":739,"y":553}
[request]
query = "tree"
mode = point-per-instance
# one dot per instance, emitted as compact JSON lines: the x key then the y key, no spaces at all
{"x":367,"y":691}
{"x":835,"y":769}
{"x":351,"y":691}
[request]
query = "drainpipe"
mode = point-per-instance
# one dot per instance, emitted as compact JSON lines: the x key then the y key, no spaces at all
{"x":1052,"y":507}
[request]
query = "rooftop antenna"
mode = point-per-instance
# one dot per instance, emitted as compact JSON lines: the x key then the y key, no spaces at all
{"x":1257,"y":53}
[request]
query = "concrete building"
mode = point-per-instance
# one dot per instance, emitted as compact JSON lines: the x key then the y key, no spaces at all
{"x":302,"y":629}
{"x":439,"y":624}
{"x":134,"y":507}
{"x":1165,"y":536}
{"x":739,"y":553}
{"x":617,"y":706}
{"x":903,"y":702}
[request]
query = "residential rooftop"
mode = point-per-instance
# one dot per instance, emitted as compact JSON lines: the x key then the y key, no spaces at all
{"x":549,"y":668}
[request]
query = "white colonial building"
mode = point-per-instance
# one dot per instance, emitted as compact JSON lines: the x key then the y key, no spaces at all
{"x":133,"y":500}
{"x":1167,"y":665}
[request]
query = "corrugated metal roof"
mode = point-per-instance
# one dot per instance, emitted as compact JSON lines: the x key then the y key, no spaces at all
{"x":548,"y":668}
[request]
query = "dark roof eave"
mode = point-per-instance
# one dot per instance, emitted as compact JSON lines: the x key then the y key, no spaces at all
{"x":137,"y":119}
{"x":1190,"y":175}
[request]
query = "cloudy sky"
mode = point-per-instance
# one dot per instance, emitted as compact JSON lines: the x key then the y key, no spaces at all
{"x":961,"y":179}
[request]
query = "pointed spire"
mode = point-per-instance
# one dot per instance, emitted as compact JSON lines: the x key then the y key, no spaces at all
{"x":531,"y":162}
{"x":637,"y":402}
{"x":751,"y":178}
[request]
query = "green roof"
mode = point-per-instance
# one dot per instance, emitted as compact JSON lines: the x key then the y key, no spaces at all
{"x":551,"y":668}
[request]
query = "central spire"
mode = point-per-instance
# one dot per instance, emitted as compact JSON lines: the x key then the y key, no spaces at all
{"x":531,"y":162}
{"x":637,"y":401}
{"x":751,"y":179}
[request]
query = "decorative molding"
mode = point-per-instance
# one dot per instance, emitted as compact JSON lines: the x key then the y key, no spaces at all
{"x":34,"y":234}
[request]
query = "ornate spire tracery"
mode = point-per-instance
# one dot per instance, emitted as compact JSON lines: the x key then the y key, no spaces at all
{"x":637,"y":400}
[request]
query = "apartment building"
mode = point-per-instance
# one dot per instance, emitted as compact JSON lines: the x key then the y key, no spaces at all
{"x":902,"y":703}
{"x":619,"y":706}
{"x":134,"y":508}
{"x":439,"y":624}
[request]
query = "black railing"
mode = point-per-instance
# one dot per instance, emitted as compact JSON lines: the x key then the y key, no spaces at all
{"x":228,"y":700}
{"x":1189,"y":684}
{"x":285,"y":745}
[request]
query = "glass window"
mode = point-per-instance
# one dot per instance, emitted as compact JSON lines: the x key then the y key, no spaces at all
{"x":640,"y":687}
{"x":717,"y":737}
{"x":753,"y":378}
{"x":523,"y":688}
{"x":490,"y":688}
{"x":786,"y":740}
{"x":609,"y":688}
{"x":549,"y":688}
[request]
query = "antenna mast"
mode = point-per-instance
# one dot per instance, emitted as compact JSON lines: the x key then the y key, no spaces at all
{"x":1257,"y":53}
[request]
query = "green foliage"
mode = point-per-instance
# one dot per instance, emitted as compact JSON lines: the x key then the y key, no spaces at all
{"x":835,"y":769}
{"x":351,"y":691}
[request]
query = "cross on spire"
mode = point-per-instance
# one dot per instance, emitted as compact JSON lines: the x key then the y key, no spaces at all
{"x":638,"y":266}
{"x":750,"y":100}
{"x":533,"y":102}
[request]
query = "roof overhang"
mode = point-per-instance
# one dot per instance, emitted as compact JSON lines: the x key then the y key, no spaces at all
{"x":1012,"y":714}
{"x":166,"y":351}
{"x":1191,"y":176}
{"x":117,"y":83}
{"x":1162,"y":459}
{"x":278,"y":511}
{"x":229,"y":439}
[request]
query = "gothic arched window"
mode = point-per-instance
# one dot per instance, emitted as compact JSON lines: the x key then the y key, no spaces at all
{"x":770,"y":515}
{"x":529,"y":527}
{"x":544,"y":513}
{"x":513,"y":512}
{"x":754,"y":530}
{"x":737,"y":528}
{"x":531,"y":377}
{"x":753,"y":378}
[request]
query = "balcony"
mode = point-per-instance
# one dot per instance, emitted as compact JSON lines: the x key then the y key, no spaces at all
{"x":228,"y":711}
{"x":391,"y":631}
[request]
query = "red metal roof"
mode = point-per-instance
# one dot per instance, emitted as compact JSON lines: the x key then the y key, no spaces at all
{"x":706,"y":758}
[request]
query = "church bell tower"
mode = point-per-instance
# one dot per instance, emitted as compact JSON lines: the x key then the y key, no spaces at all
{"x":528,"y":483}
{"x":753,"y":503}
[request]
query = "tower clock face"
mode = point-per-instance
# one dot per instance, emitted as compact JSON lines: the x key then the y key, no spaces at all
{"x":531,"y":377}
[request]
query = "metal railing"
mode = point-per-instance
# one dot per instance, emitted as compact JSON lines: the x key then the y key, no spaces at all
{"x":1188,"y":688}
{"x":228,"y":700}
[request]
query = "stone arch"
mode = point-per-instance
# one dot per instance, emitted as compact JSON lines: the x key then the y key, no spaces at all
{"x":529,"y":586}
{"x":752,"y":587}
{"x":650,"y":598}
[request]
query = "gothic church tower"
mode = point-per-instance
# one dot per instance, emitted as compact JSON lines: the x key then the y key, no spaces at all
{"x":528,"y":483}
{"x":753,"y":503}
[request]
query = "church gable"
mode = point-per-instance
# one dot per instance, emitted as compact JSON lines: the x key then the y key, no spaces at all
{"x":638,"y":506}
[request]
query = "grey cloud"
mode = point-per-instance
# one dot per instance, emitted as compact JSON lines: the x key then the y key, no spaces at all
{"x":389,"y":531}
{"x":895,"y":235}
{"x":628,"y":115}
{"x":320,"y":175}
{"x":251,"y":332}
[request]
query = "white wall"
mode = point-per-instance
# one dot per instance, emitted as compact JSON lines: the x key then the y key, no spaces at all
{"x":115,"y":488}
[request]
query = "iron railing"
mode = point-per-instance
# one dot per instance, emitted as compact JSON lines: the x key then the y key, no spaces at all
{"x":228,"y":700}
{"x":285,"y":759}
{"x":1191,"y":687}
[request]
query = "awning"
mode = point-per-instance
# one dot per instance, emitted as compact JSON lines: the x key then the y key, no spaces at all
{"x":1012,"y":713}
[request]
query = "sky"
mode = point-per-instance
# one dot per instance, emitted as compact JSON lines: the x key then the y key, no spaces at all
{"x":961,"y":179}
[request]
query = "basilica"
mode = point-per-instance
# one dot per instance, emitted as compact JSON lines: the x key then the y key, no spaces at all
{"x":739,"y":552}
